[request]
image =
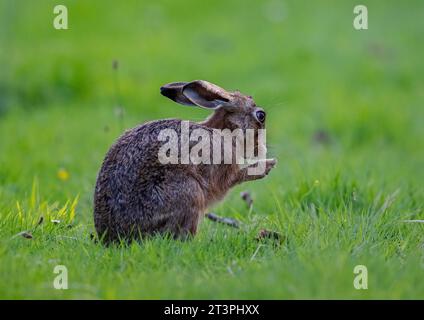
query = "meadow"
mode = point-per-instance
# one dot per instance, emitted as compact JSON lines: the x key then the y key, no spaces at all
{"x":344,"y":119}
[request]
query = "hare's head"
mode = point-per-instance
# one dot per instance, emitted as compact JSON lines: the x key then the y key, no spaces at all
{"x":232,"y":110}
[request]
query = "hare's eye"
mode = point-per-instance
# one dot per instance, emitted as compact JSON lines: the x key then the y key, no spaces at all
{"x":260,"y":115}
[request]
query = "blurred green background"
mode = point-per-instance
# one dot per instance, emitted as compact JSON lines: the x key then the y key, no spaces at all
{"x":344,"y":118}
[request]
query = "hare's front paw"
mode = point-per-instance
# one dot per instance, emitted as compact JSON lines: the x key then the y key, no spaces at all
{"x":259,"y":169}
{"x":269,"y":164}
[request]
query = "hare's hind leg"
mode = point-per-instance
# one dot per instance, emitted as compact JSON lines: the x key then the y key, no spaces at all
{"x":192,"y":222}
{"x":184,"y":204}
{"x":186,"y":224}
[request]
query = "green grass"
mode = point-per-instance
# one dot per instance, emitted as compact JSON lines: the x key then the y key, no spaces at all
{"x":339,"y":203}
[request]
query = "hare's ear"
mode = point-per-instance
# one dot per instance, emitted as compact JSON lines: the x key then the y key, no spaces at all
{"x":205,"y":94}
{"x":174,"y":91}
{"x":196,"y":93}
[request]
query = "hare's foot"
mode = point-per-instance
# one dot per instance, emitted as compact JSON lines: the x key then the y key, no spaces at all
{"x":185,"y":225}
{"x":255,"y":171}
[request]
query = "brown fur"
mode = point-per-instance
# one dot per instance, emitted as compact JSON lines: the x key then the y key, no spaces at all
{"x":136,"y":195}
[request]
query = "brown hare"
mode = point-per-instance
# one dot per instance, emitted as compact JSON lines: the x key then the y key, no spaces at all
{"x":136,"y":194}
